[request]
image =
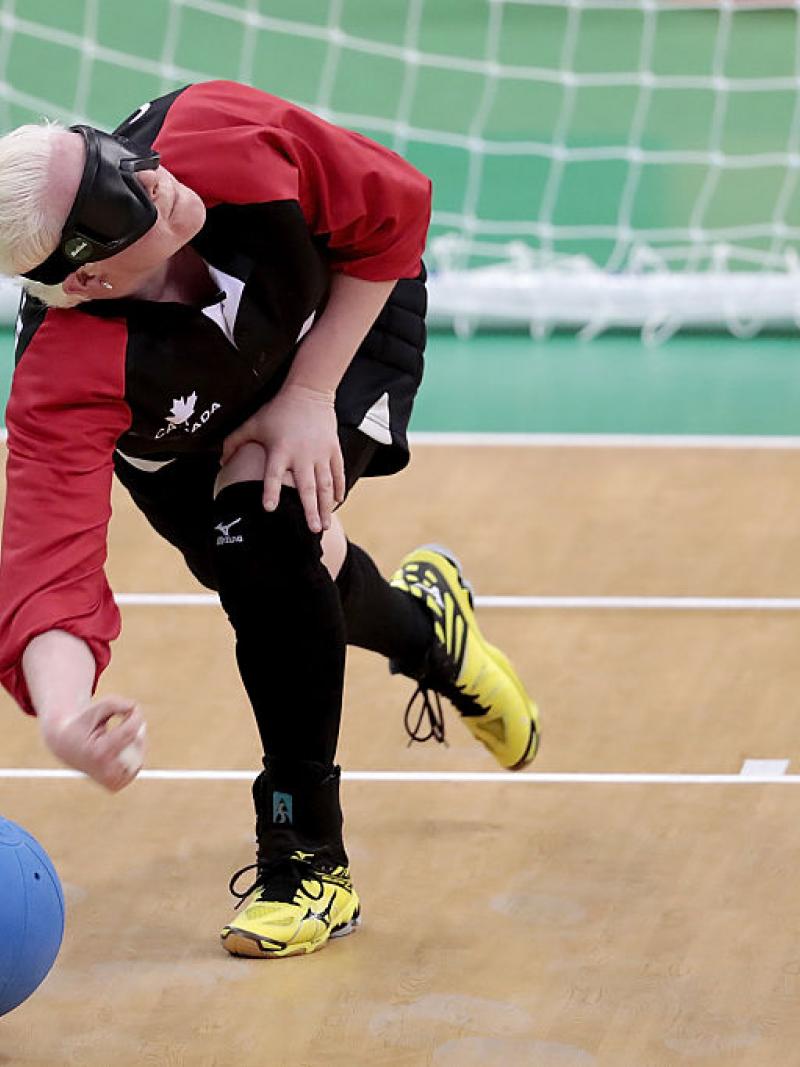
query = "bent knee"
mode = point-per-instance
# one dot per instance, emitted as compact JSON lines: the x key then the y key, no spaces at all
{"x":247,"y":464}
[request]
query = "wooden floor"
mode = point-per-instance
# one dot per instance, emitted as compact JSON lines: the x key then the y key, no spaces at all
{"x":552,"y":923}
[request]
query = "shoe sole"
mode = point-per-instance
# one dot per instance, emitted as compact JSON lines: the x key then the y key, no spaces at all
{"x":242,"y":943}
{"x":494,"y":653}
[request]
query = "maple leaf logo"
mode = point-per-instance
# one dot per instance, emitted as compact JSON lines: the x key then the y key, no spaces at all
{"x":182,"y":409}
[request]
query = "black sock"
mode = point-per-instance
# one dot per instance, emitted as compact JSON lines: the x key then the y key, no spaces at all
{"x":287,"y":616}
{"x":381,"y":618}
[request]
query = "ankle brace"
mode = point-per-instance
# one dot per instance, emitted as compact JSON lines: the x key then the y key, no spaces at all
{"x":298,"y":808}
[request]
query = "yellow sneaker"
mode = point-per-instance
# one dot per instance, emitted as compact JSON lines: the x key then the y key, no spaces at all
{"x":461,"y":665}
{"x":297,"y":906}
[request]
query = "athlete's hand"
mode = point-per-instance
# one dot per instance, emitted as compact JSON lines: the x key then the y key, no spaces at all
{"x":297,"y":430}
{"x":105,"y":739}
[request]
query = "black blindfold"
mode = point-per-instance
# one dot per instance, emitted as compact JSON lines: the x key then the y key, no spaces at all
{"x":112,"y":209}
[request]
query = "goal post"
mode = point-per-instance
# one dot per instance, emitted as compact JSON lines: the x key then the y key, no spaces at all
{"x":596,"y":163}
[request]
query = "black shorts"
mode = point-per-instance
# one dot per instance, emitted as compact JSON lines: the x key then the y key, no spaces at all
{"x":378,"y":389}
{"x":178,"y":499}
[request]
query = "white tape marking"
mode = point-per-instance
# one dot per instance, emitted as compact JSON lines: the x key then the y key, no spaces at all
{"x":764,"y":768}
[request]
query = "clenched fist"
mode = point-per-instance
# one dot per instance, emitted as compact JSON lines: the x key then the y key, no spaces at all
{"x":105,"y":740}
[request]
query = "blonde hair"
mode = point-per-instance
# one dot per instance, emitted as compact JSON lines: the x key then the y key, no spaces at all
{"x":28,"y":230}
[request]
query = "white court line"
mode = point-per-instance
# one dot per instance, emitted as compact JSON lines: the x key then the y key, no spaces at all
{"x":597,"y":440}
{"x":488,"y":777}
{"x":606,"y":603}
{"x":604,"y":440}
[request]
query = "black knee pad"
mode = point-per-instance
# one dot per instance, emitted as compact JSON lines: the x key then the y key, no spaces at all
{"x":260,"y":553}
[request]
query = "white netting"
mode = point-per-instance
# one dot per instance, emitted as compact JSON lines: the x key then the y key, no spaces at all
{"x":596,"y":162}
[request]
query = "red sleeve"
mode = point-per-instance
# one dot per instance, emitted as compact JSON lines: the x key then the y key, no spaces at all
{"x":237,"y":145}
{"x":65,"y":414}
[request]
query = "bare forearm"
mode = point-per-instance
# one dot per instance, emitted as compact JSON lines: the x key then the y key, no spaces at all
{"x":326,"y":352}
{"x":59,"y":671}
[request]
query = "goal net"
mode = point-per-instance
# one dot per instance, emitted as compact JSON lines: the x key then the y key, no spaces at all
{"x":596,"y":163}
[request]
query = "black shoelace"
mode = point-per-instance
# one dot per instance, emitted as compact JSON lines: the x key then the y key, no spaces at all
{"x":429,"y":721}
{"x":426,"y":722}
{"x":280,"y":878}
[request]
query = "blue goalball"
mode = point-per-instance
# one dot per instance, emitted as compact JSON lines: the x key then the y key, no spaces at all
{"x":31,"y":915}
